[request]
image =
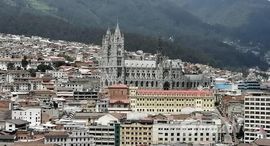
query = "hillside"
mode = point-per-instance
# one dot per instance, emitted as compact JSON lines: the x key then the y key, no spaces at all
{"x":248,"y":20}
{"x":86,"y":21}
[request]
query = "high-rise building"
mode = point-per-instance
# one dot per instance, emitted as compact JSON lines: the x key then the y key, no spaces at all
{"x":257,"y":116}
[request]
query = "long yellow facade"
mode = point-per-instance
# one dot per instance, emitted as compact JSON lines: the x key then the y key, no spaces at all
{"x":170,"y":101}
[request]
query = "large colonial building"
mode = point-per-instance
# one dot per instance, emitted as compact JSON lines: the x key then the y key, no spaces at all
{"x":170,"y":101}
{"x":157,"y":72}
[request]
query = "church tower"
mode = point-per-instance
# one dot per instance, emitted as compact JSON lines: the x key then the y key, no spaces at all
{"x":112,"y":58}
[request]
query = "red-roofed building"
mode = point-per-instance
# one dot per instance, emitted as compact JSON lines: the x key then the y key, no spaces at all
{"x":118,"y":98}
{"x":170,"y":101}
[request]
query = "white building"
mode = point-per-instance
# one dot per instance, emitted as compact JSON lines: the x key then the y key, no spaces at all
{"x":16,"y":124}
{"x":17,"y":62}
{"x":257,"y":115}
{"x":58,"y":74}
{"x":104,"y":130}
{"x":187,"y":131}
{"x":102,"y":105}
{"x":104,"y":135}
{"x":32,"y":115}
{"x":79,"y":137}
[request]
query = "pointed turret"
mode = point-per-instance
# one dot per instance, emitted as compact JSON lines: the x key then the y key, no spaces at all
{"x":159,"y":55}
{"x":108,"y":31}
{"x":117,"y":30}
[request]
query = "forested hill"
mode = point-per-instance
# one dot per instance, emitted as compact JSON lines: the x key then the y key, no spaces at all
{"x":196,"y":38}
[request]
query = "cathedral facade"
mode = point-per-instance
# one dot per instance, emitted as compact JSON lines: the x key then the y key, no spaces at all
{"x":157,"y":73}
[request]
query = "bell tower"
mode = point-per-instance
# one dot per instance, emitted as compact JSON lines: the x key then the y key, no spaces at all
{"x":112,"y":58}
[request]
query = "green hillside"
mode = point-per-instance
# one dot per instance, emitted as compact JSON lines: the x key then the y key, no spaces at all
{"x":197,"y":35}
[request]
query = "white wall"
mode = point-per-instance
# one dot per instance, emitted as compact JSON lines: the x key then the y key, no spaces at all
{"x":183,"y":132}
{"x":32,"y":115}
{"x":10,"y":126}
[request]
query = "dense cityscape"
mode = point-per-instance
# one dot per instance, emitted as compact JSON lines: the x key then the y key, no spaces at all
{"x":60,"y":93}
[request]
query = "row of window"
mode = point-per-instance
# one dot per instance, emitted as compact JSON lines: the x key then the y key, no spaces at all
{"x":137,"y":128}
{"x":185,"y":139}
{"x":204,"y":129}
{"x":136,"y":138}
{"x":136,"y":143}
{"x":257,"y":103}
{"x":140,"y":133}
{"x":261,"y":113}
{"x":172,"y":99}
{"x":187,"y":134}
{"x":257,"y":99}
{"x":256,"y":108}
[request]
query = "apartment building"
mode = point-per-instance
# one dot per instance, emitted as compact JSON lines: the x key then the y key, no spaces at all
{"x":257,"y":116}
{"x":136,"y":132}
{"x":30,"y":114}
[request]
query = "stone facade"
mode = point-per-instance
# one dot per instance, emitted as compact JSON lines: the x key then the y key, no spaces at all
{"x":157,"y":73}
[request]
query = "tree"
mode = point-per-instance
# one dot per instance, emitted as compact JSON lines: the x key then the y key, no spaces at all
{"x":39,"y":58}
{"x":42,"y":67}
{"x":32,"y":72}
{"x":19,"y":68}
{"x":24,"y":62}
{"x":59,"y":63}
{"x":68,"y":58}
{"x":10,"y":66}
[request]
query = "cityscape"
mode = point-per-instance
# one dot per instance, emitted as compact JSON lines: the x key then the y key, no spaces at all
{"x":62,"y":93}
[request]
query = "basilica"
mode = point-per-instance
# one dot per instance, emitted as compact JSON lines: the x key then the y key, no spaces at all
{"x":154,"y":72}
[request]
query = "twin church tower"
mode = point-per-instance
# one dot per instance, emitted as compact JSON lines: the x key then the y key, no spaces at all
{"x":158,"y":73}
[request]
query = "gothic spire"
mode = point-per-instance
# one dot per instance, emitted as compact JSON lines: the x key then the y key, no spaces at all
{"x":159,"y":49}
{"x":117,"y":30}
{"x":159,"y":57}
{"x":108,"y":31}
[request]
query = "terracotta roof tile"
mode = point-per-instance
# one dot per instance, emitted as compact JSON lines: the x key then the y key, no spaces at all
{"x":175,"y":92}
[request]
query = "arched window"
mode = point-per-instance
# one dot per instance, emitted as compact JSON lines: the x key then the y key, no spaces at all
{"x":166,"y":86}
{"x":136,"y":83}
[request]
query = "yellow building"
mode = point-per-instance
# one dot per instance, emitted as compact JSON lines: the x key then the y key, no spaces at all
{"x":170,"y":101}
{"x":136,"y":133}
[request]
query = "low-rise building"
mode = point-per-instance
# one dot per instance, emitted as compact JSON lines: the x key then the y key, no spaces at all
{"x":30,"y":114}
{"x":85,"y":95}
{"x":187,"y":131}
{"x":79,"y":137}
{"x":16,"y":124}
